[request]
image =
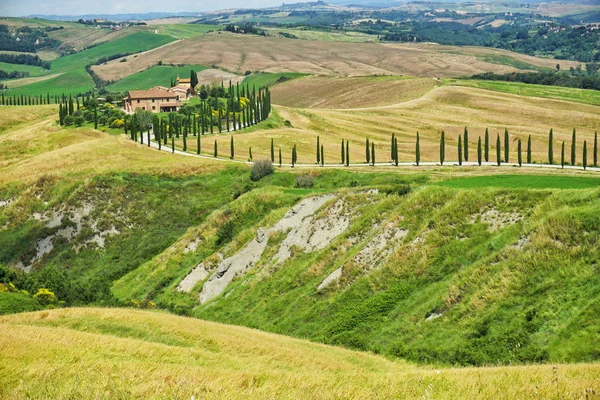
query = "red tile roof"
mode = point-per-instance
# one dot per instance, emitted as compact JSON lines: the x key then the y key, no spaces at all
{"x":151,"y":94}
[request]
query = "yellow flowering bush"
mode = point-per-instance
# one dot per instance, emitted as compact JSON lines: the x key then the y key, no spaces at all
{"x":44,"y":296}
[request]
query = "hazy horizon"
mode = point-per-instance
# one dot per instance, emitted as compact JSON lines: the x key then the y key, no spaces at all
{"x":21,"y":8}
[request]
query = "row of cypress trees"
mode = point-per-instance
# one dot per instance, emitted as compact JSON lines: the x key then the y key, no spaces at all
{"x":27,"y":100}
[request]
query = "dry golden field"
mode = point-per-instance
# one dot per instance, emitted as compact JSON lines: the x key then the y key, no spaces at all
{"x":34,"y":145}
{"x":240,"y":53}
{"x":448,"y":108}
{"x":124,"y":353}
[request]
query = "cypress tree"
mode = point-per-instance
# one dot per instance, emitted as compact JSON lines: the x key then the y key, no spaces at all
{"x":506,"y":144}
{"x":232,"y":148}
{"x":392,"y":147}
{"x":293,"y":156}
{"x":347,"y":154}
{"x":479,"y":151}
{"x":194,"y":124}
{"x":184,"y":141}
{"x":250,"y":153}
{"x":498,"y":151}
{"x":318,"y":151}
{"x":70,"y":105}
{"x":172,"y":144}
{"x":148,"y":137}
{"x":322,"y":156}
{"x":595,"y":149}
{"x":215,"y":149}
{"x":466,"y":144}
{"x":418,"y":151}
{"x":529,"y":149}
{"x":487,"y":145}
{"x":160,"y":137}
{"x":273,"y":151}
{"x":373,"y":153}
{"x":198,"y":144}
{"x":551,"y":147}
{"x":280,"y":157}
{"x":573,"y":147}
{"x":442,"y":148}
{"x":562,"y":155}
{"x":96,"y":117}
{"x":343,"y":153}
{"x":60,"y":114}
{"x":460,"y":150}
{"x":519,"y":155}
{"x":367,"y":152}
{"x":584,"y":154}
{"x":396,"y":151}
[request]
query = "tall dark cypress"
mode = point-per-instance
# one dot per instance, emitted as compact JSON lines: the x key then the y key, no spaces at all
{"x":562,"y":155}
{"x":318,"y":151}
{"x":272,"y":150}
{"x":198,"y":144}
{"x":392,"y":146}
{"x":460,"y":150}
{"x":215,"y":149}
{"x":280,"y":157}
{"x":443,"y":148}
{"x":368,"y":152}
{"x":487,"y":145}
{"x":172,"y":144}
{"x":396,"y":151}
{"x":343,"y":153}
{"x":418,"y":151}
{"x":372,"y":153}
{"x":479,"y":151}
{"x":573,"y":147}
{"x":506,"y":145}
{"x":519,"y":155}
{"x":185,"y":140}
{"x":551,"y":147}
{"x":232,"y":148}
{"x":466,"y":144}
{"x":347,"y":154}
{"x":584,"y":154}
{"x":96,"y":117}
{"x":498,"y":151}
{"x":249,"y":153}
{"x":529,"y":149}
{"x":322,"y":156}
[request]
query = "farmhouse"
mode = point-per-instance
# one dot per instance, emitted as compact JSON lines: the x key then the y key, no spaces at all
{"x":157,"y":99}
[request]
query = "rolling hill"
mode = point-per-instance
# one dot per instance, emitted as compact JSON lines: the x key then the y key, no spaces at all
{"x":79,"y":353}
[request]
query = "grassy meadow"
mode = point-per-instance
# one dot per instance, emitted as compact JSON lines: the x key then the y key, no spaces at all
{"x":85,"y":348}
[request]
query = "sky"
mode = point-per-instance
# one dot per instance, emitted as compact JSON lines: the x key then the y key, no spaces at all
{"x":17,"y":8}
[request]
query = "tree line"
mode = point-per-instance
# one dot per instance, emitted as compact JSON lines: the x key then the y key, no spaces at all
{"x":26,"y":100}
{"x":592,"y":81}
{"x":24,"y":59}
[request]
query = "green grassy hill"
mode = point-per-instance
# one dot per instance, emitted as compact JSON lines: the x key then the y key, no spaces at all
{"x":153,"y":76}
{"x":119,"y":353}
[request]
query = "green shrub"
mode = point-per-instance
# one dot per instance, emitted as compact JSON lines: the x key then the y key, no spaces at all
{"x":225,"y":232}
{"x":69,"y":120}
{"x":304,"y":181}
{"x":398,"y":190}
{"x":260,"y":169}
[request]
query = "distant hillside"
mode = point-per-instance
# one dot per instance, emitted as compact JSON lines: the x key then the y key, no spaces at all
{"x":116,"y":17}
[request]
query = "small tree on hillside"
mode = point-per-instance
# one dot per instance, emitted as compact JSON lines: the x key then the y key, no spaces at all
{"x":318,"y":151}
{"x":368,"y":152}
{"x":487,"y":145}
{"x":466,"y":144}
{"x":442,"y":148}
{"x":550,"y":147}
{"x":519,"y":155}
{"x":529,"y":149}
{"x":273,"y":150}
{"x":506,"y":144}
{"x":280,"y":156}
{"x":343,"y":153}
{"x":479,"y":151}
{"x":562,"y":155}
{"x":347,"y":154}
{"x":573,"y":145}
{"x":498,"y":151}
{"x":417,"y":151}
{"x":372,"y":153}
{"x":584,"y":154}
{"x":460,"y":150}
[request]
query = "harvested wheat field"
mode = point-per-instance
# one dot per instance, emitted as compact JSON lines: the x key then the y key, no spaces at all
{"x":356,"y":92}
{"x":73,"y":353}
{"x":255,"y":53}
